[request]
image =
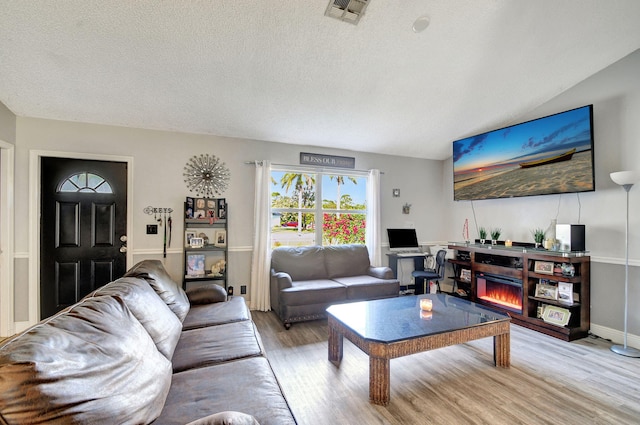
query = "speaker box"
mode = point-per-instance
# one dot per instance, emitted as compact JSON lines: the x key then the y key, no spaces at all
{"x":571,"y":237}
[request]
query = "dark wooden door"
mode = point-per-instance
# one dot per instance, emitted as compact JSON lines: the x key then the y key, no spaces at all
{"x":83,"y":220}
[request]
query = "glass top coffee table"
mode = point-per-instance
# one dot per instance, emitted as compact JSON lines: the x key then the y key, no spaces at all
{"x":394,"y":327}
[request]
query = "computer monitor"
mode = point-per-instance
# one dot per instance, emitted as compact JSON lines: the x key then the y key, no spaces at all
{"x":403,"y":239}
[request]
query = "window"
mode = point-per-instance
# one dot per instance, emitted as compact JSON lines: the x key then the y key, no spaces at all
{"x":85,"y":182}
{"x":299,"y":218}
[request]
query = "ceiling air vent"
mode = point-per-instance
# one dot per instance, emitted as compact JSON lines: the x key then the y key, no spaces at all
{"x":346,"y":10}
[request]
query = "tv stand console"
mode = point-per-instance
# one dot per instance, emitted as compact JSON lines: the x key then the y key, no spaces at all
{"x":547,"y":291}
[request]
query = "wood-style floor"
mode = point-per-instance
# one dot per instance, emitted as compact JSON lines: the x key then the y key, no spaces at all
{"x":549,"y":382}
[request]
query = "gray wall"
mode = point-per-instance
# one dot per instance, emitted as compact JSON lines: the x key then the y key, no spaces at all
{"x":158,"y":161}
{"x":615,"y":94}
{"x":7,"y":125}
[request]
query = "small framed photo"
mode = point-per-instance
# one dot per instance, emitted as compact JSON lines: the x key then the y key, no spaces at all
{"x":543,"y":267}
{"x":465,"y":274}
{"x":556,"y":315}
{"x":549,"y":292}
{"x":565,"y":292}
{"x":222,"y":208}
{"x":188,"y":235}
{"x":220,"y":238}
{"x":195,"y":265}
{"x":197,"y":242}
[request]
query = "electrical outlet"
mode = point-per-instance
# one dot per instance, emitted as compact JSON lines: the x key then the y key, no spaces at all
{"x":152,"y":229}
{"x":243,"y":289}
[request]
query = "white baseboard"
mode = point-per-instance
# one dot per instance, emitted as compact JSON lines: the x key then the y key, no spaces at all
{"x":616,"y":336}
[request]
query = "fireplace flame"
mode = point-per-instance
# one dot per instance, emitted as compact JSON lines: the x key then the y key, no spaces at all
{"x":504,"y":298}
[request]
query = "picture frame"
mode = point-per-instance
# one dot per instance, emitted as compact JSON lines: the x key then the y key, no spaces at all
{"x":220,"y":238}
{"x":556,"y":315}
{"x":188,"y":207}
{"x":188,"y":235}
{"x":565,"y":292}
{"x":465,"y":275}
{"x":221,"y":207}
{"x":195,"y":265}
{"x":197,"y":242}
{"x":543,"y":267}
{"x":549,"y":292}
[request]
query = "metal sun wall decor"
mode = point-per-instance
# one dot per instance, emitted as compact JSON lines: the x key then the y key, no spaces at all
{"x":206,"y":175}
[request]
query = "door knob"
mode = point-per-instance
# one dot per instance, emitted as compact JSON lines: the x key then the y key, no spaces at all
{"x":123,"y":238}
{"x":123,"y":249}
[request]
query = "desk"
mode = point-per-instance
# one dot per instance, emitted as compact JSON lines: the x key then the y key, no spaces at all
{"x":418,"y":264}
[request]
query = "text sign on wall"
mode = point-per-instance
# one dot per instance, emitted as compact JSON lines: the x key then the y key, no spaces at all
{"x":327,"y":160}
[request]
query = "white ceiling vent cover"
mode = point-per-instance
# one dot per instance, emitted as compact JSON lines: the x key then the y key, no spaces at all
{"x":346,"y":10}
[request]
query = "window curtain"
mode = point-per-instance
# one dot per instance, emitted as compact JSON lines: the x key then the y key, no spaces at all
{"x":261,"y":259}
{"x":373,"y":239}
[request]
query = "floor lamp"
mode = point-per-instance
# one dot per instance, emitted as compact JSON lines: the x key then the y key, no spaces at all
{"x":626,"y":179}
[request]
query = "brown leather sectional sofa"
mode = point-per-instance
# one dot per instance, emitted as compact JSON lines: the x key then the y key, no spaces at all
{"x":142,"y":350}
{"x":306,"y":280}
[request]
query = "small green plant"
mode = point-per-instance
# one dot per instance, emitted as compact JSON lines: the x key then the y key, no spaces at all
{"x":495,"y":233}
{"x":538,"y":235}
{"x":482,"y":232}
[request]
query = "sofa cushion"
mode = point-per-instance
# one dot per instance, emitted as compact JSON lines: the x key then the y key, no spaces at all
{"x":206,"y":294}
{"x":162,"y":325}
{"x":91,"y":363}
{"x":245,"y":385}
{"x":171,"y":293}
{"x":216,"y":344}
{"x":346,"y":260}
{"x":368,"y":288}
{"x":321,"y":291}
{"x":226,"y":418}
{"x":200,"y":316}
{"x":301,"y":263}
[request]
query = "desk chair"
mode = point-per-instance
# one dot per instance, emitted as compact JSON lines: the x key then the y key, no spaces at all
{"x":436,"y":274}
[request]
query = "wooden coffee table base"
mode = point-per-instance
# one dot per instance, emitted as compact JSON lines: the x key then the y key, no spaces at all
{"x":380,"y":354}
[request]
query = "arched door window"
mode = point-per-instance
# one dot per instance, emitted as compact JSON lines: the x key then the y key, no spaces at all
{"x":85,"y":182}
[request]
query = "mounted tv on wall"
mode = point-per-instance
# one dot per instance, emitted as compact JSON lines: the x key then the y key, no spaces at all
{"x":549,"y":155}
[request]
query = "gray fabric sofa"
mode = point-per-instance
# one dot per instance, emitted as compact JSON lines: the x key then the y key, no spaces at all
{"x":306,"y":280}
{"x":141,"y":350}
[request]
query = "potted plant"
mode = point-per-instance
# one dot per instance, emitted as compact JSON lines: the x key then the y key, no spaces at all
{"x":495,"y":235}
{"x":538,"y":236}
{"x":482,"y":232}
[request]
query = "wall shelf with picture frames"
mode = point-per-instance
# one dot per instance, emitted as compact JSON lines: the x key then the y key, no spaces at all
{"x":205,"y":242}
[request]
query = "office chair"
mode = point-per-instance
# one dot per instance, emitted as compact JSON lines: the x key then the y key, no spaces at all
{"x":429,"y":275}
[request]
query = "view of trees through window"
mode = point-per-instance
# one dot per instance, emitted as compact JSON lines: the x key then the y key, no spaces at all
{"x":299,"y":219}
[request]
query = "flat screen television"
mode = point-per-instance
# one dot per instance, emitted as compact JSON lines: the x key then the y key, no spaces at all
{"x":402,"y":239}
{"x":548,"y":155}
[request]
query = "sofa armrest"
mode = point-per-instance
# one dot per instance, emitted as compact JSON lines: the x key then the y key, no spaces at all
{"x":207,"y":294}
{"x":281,"y":280}
{"x":382,"y":272}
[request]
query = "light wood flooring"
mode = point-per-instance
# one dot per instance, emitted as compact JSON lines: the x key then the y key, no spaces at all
{"x":549,"y":382}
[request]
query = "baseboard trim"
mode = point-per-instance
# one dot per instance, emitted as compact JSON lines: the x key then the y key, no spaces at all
{"x":615,"y":336}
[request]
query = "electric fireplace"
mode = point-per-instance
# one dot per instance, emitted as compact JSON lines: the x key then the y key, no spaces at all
{"x":500,"y":291}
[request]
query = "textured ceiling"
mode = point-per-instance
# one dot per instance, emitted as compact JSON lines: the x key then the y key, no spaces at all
{"x":281,"y":71}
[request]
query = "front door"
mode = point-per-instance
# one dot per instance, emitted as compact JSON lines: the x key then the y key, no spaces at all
{"x":83,"y":223}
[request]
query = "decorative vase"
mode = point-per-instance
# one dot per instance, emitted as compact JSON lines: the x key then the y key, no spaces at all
{"x":482,"y":241}
{"x":494,"y":242}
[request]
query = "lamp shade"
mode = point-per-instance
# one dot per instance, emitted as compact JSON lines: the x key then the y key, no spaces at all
{"x":625,"y":177}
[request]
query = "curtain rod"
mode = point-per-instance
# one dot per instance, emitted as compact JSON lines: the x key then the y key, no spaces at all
{"x":310,"y":167}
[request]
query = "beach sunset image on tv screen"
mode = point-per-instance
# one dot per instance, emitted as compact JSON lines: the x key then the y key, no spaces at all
{"x":549,"y":155}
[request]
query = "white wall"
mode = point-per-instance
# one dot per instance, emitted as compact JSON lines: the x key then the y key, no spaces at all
{"x":615,"y":94}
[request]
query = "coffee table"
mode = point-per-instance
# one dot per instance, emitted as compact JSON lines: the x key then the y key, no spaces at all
{"x":394,"y":327}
